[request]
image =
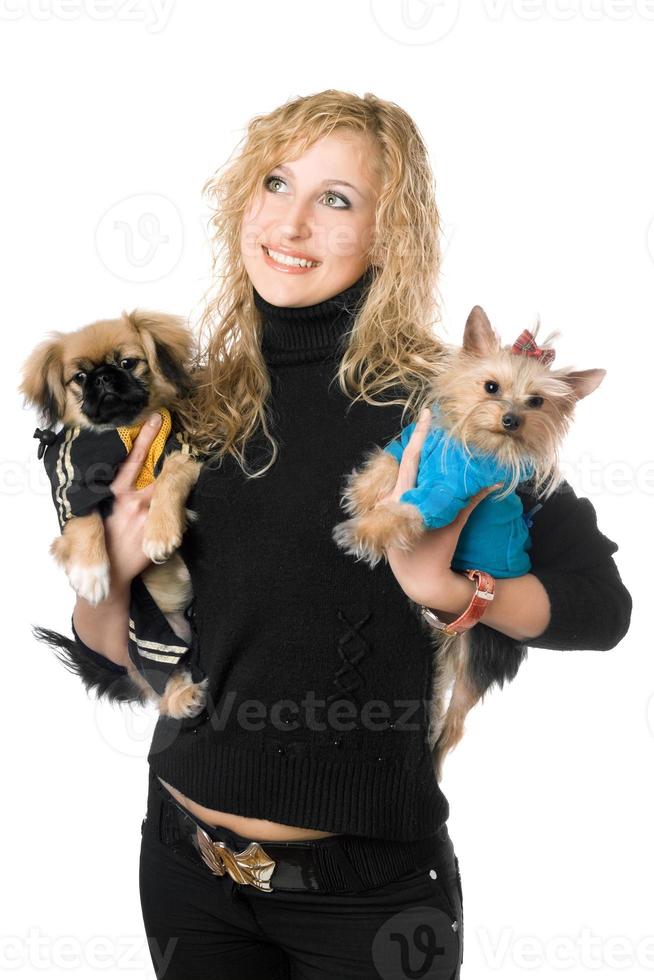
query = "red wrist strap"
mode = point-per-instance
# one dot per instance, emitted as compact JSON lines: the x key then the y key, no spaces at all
{"x":484,"y":593}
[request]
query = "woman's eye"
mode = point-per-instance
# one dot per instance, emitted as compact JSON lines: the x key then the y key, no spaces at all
{"x":338,"y":197}
{"x":535,"y":401}
{"x":128,"y":363}
{"x":268,"y":180}
{"x":492,"y":387}
{"x":328,"y":194}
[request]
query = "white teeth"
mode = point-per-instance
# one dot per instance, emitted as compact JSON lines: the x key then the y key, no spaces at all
{"x":289,"y":260}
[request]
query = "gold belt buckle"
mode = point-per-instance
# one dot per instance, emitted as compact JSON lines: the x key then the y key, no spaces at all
{"x":251,"y":867}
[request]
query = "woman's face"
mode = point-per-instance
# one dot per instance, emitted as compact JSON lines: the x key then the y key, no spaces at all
{"x":320,"y":207}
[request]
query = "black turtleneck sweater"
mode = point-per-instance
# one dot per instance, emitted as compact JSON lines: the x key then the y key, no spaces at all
{"x":320,"y":669}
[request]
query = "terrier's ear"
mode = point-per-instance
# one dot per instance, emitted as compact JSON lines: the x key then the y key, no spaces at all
{"x":479,"y":338}
{"x":584,"y":382}
{"x":42,"y":384}
{"x":167,"y":343}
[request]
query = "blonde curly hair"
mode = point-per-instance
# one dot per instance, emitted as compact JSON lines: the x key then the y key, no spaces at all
{"x":392,"y":345}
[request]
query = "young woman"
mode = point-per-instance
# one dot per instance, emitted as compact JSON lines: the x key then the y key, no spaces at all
{"x":296,"y":828}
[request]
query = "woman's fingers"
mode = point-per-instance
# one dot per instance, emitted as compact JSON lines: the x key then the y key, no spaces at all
{"x":410,"y":463}
{"x":129,"y":470}
{"x":408,"y":470}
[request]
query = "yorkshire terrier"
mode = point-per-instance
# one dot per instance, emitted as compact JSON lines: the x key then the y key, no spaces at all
{"x":102,"y":382}
{"x":499,"y":416}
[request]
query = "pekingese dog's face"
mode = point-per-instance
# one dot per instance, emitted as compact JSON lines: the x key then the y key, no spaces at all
{"x":111,"y":372}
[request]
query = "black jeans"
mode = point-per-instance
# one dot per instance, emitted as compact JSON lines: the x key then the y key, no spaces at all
{"x":203,"y":927}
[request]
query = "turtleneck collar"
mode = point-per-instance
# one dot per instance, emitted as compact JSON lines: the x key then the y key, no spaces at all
{"x":297,"y":334}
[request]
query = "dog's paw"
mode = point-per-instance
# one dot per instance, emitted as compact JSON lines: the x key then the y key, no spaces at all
{"x":351,"y":538}
{"x":162,"y":535}
{"x":390,"y":524}
{"x":158,"y":550}
{"x":365,"y":486}
{"x":182,"y":698}
{"x":90,"y":582}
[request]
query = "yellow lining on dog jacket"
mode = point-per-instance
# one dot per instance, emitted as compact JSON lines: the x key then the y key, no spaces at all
{"x":129,"y":433}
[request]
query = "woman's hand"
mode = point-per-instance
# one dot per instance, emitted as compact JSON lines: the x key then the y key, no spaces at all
{"x":424,"y":572}
{"x":123,"y":528}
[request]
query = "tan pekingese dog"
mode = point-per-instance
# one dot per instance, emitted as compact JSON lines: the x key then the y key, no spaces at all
{"x":102,"y":382}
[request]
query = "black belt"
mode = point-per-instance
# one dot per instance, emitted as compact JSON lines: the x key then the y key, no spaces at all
{"x":339,"y":863}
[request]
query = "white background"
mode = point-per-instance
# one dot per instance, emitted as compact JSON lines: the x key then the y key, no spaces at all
{"x":538,"y":119}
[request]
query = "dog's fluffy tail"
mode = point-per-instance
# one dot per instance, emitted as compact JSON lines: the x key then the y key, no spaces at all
{"x":101,"y":681}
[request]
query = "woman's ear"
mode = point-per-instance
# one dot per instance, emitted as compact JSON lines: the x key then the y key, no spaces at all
{"x":42,"y":384}
{"x":377,"y":257}
{"x":167,"y":343}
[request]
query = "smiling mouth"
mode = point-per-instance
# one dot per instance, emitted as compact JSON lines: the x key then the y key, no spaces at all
{"x":282,"y":259}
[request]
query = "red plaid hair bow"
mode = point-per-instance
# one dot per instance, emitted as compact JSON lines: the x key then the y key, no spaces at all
{"x":525,"y":344}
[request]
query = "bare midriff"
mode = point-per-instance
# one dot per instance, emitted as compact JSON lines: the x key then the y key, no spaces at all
{"x":251,"y":827}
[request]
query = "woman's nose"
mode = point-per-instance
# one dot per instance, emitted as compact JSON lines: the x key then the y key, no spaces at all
{"x":296,"y":220}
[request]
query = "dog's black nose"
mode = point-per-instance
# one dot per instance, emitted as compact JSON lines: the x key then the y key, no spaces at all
{"x":104,"y":378}
{"x":511,"y":422}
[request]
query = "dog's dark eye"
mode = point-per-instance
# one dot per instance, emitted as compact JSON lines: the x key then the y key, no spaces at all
{"x":492,"y":387}
{"x":128,"y":362}
{"x":535,"y":401}
{"x":80,"y":377}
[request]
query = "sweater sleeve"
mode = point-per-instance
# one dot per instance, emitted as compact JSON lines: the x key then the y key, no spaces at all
{"x":572,"y":558}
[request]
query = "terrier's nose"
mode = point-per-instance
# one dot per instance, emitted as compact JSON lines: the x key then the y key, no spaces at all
{"x":511,"y":422}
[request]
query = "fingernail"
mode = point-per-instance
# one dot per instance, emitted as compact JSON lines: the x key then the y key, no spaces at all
{"x":155,"y":420}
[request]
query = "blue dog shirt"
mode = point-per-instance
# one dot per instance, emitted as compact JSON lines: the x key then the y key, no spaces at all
{"x":495,"y":538}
